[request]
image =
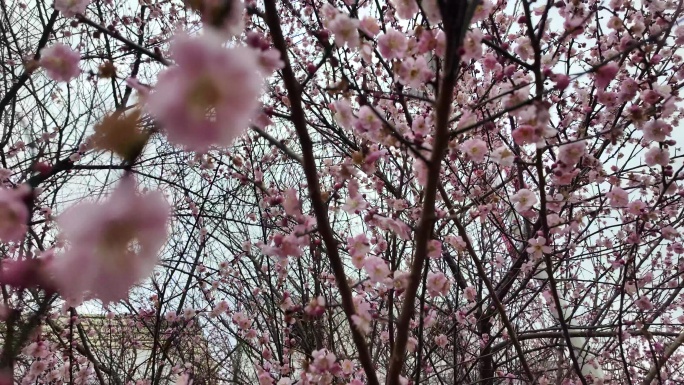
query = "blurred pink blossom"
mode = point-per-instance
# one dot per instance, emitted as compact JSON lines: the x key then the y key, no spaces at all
{"x":111,"y":245}
{"x":60,"y":62}
{"x":210,"y":95}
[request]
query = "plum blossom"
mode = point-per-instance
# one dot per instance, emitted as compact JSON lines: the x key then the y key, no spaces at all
{"x":355,"y":202}
{"x":362,"y":319}
{"x":392,"y":44}
{"x":434,"y":249}
{"x":431,"y":10}
{"x":571,"y":153}
{"x":183,"y":379}
{"x":636,"y":207}
{"x":210,"y":95}
{"x":523,"y":48}
{"x":406,"y":9}
{"x":70,"y":8}
{"x":60,"y":62}
{"x":369,"y":25}
{"x":345,"y":30}
{"x":503,"y":156}
{"x":476,"y":149}
{"x":524,"y":199}
{"x":618,"y":197}
{"x":376,"y":268}
{"x":656,"y":130}
{"x":470,"y":293}
{"x":657,"y":156}
{"x":343,"y":113}
{"x":367,"y":121}
{"x":472,"y":45}
{"x":270,"y":61}
{"x":538,"y":247}
{"x":437,"y":284}
{"x":414,"y":72}
{"x":14,"y":214}
{"x":224,"y":16}
{"x":441,"y":340}
{"x":112,"y":245}
{"x":643,"y":303}
{"x":358,"y":248}
{"x":526,"y":134}
{"x":605,"y":74}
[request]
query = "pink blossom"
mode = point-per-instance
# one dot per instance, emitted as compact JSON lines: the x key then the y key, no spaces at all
{"x":643,"y":303}
{"x":618,"y":197}
{"x":434,"y":249}
{"x":526,"y":134}
{"x":656,"y":130}
{"x":438,"y":284}
{"x":14,"y":214}
{"x":112,"y":245}
{"x":60,"y":62}
{"x":211,"y":94}
{"x":223,"y":17}
{"x":345,"y":30}
{"x":376,"y":268}
{"x":571,"y":153}
{"x":270,"y":61}
{"x":323,"y":361}
{"x":503,"y":156}
{"x":562,"y":81}
{"x":636,"y":207}
{"x":183,"y":379}
{"x":472,"y":45}
{"x":358,"y":248}
{"x":470,"y":293}
{"x":369,"y":25}
{"x":476,"y":149}
{"x":406,"y":9}
{"x":392,"y":44}
{"x":242,"y":320}
{"x":524,"y":199}
{"x":657,"y":156}
{"x":343,"y":113}
{"x":523,"y":48}
{"x":538,"y":247}
{"x":367,"y":121}
{"x":414,"y":72}
{"x":605,"y":74}
{"x":431,"y":11}
{"x":441,"y":340}
{"x":70,"y":8}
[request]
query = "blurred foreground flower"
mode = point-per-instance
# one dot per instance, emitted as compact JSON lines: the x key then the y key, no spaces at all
{"x":210,"y":95}
{"x":111,"y":245}
{"x":120,"y":134}
{"x":13,"y":214}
